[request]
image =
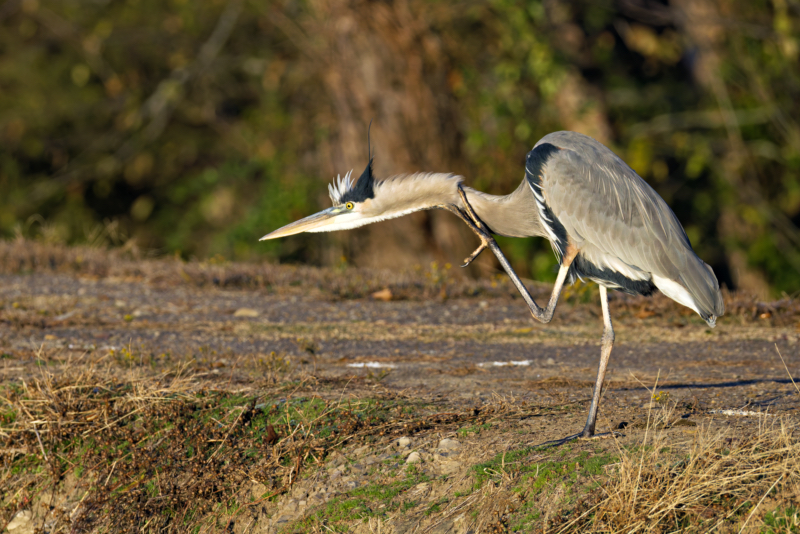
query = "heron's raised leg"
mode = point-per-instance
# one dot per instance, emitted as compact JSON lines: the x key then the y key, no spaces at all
{"x":487,"y":241}
{"x":605,"y":353}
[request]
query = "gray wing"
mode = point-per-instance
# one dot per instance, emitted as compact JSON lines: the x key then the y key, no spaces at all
{"x":612,"y":214}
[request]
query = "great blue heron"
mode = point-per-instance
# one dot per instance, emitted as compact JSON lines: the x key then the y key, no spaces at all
{"x":604,"y":222}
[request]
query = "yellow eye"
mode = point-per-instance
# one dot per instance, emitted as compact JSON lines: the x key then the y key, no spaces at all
{"x":349,"y":205}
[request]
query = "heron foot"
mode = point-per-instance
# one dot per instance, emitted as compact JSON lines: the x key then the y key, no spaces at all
{"x":477,"y":226}
{"x":578,"y":436}
{"x":604,"y":435}
{"x":557,"y":442}
{"x":475,"y":254}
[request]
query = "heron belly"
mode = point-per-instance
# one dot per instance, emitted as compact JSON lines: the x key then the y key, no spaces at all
{"x":612,"y":274}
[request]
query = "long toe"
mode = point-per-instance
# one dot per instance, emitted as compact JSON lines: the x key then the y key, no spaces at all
{"x":604,"y":435}
{"x":557,"y":442}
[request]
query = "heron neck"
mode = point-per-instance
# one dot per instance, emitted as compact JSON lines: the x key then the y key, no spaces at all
{"x":511,"y":215}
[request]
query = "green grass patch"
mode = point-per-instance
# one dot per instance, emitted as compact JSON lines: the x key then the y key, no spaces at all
{"x":372,"y":500}
{"x":782,"y":520}
{"x":537,"y":474}
{"x":474,"y":429}
{"x":534,"y":475}
{"x":437,"y":506}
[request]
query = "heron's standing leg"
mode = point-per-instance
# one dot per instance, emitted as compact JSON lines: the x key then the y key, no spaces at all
{"x":605,"y":353}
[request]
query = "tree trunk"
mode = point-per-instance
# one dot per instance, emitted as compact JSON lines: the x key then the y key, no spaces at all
{"x":383,"y":64}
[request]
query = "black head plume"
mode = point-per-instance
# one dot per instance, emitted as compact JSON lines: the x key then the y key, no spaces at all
{"x":364,"y":188}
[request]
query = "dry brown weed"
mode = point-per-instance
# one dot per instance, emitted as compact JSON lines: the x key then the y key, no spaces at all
{"x":96,"y":447}
{"x":716,"y":481}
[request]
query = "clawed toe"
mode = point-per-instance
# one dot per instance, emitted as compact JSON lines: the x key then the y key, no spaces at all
{"x":604,"y":435}
{"x":557,"y":442}
{"x":577,"y":437}
{"x":475,"y":254}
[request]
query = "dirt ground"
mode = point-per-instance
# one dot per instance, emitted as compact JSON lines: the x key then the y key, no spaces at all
{"x":473,"y":376}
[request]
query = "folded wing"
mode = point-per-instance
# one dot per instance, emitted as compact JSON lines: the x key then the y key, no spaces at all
{"x":616,"y":219}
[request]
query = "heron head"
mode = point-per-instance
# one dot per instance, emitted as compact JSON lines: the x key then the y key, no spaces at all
{"x":365,"y":201}
{"x":351,"y":207}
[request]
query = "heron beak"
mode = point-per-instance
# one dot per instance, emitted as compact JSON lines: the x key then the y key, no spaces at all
{"x":310,"y":223}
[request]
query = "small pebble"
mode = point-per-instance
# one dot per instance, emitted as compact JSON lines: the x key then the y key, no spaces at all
{"x":449,"y":444}
{"x":338,"y":460}
{"x":450,"y":467}
{"x":22,"y":522}
{"x":282,"y":520}
{"x":358,"y":469}
{"x":420,"y":488}
{"x":403,"y":442}
{"x":413,"y":458}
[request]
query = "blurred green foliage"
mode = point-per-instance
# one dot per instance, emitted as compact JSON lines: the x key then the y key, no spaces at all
{"x":196,"y":127}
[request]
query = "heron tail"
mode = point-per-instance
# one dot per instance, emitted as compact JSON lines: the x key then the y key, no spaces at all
{"x":699,"y":279}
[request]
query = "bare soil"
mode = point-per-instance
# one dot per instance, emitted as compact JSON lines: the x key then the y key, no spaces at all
{"x":434,"y":358}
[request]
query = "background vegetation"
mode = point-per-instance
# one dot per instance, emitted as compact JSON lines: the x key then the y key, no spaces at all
{"x":196,"y":127}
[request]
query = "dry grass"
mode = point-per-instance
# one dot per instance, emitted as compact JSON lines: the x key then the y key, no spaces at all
{"x":120,"y":449}
{"x":125,"y":448}
{"x":714,"y":482}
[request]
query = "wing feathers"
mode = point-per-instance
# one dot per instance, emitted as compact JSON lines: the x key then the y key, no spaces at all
{"x":603,"y":204}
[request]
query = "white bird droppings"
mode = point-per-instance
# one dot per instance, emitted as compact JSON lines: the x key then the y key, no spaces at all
{"x":245,"y":312}
{"x":741,"y":412}
{"x":521,"y":363}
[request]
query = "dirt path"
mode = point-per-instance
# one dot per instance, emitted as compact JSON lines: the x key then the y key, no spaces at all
{"x":467,"y":348}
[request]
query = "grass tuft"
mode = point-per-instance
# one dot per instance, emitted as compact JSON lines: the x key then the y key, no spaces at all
{"x":716,"y":481}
